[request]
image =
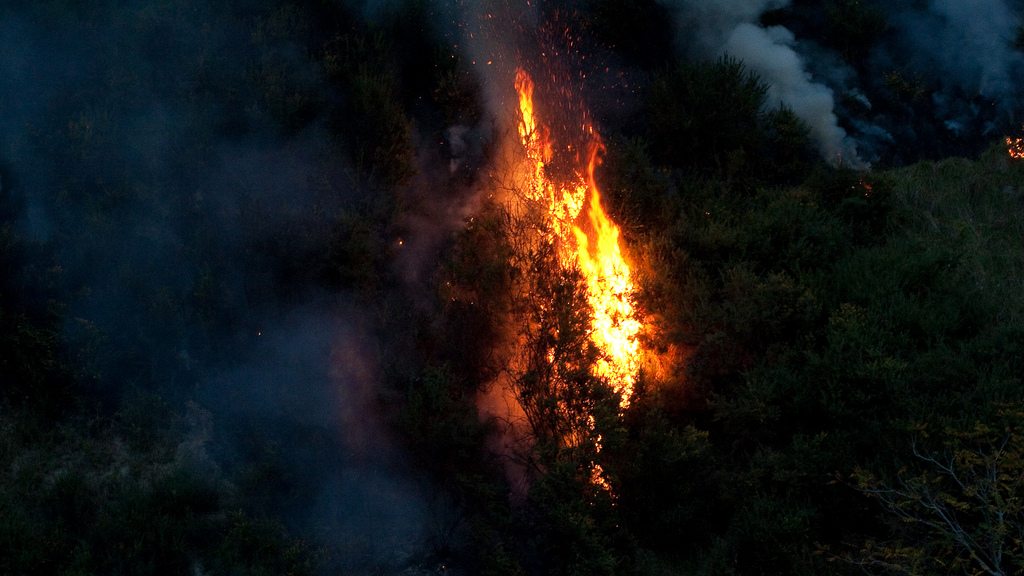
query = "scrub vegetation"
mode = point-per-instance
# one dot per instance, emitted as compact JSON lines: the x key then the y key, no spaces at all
{"x":841,"y":351}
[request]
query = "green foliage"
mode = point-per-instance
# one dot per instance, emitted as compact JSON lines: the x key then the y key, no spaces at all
{"x":474,"y":289}
{"x":263,"y":547}
{"x":357,"y":251}
{"x":904,"y":89}
{"x":706,"y":116}
{"x":638,"y":194}
{"x":553,"y":381}
{"x":770,"y":531}
{"x":503,"y":270}
{"x":143,"y":420}
{"x":709,"y":119}
{"x":35,"y":369}
{"x":959,"y":507}
{"x":374,"y":120}
{"x":854,"y":27}
{"x":805,"y":315}
{"x":31,"y":369}
{"x":823,"y":319}
{"x":456,"y":92}
{"x":71,"y":502}
{"x":973,"y":208}
{"x":86,"y":496}
{"x":667,"y":490}
{"x":576,"y":539}
{"x":441,"y":423}
{"x":788,"y":155}
{"x":1018,"y":39}
{"x":285,"y":99}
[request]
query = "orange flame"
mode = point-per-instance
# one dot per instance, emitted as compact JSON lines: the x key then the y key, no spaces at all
{"x":594,"y":251}
{"x":1016,"y":147}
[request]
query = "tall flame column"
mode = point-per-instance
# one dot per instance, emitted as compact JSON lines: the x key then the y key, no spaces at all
{"x":591,"y":245}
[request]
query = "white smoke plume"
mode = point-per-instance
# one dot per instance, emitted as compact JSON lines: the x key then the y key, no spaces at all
{"x":768,"y":52}
{"x":711,"y":29}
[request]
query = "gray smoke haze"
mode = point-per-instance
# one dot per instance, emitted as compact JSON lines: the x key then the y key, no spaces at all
{"x":964,"y":49}
{"x":186,"y":216}
{"x":705,"y":27}
{"x":964,"y":43}
{"x":313,"y":391}
{"x":947,"y":75}
{"x":959,"y":55}
{"x":729,"y":27}
{"x":183,"y":216}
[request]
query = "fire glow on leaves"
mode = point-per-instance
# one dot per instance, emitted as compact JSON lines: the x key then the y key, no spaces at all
{"x":594,"y":250}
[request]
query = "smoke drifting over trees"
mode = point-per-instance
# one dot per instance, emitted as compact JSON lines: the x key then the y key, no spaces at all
{"x":849,"y":49}
{"x":767,"y":52}
{"x":208,"y":210}
{"x":257,"y":282}
{"x":716,"y":28}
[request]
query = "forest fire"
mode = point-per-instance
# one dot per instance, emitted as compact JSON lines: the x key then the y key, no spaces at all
{"x":1016,"y":147}
{"x":591,"y":245}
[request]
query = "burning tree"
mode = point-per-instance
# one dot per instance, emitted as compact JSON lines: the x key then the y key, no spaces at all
{"x":554,"y":381}
{"x":591,"y":247}
{"x":574,"y":349}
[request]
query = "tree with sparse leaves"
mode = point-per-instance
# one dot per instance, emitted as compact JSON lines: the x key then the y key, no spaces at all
{"x":956,"y":509}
